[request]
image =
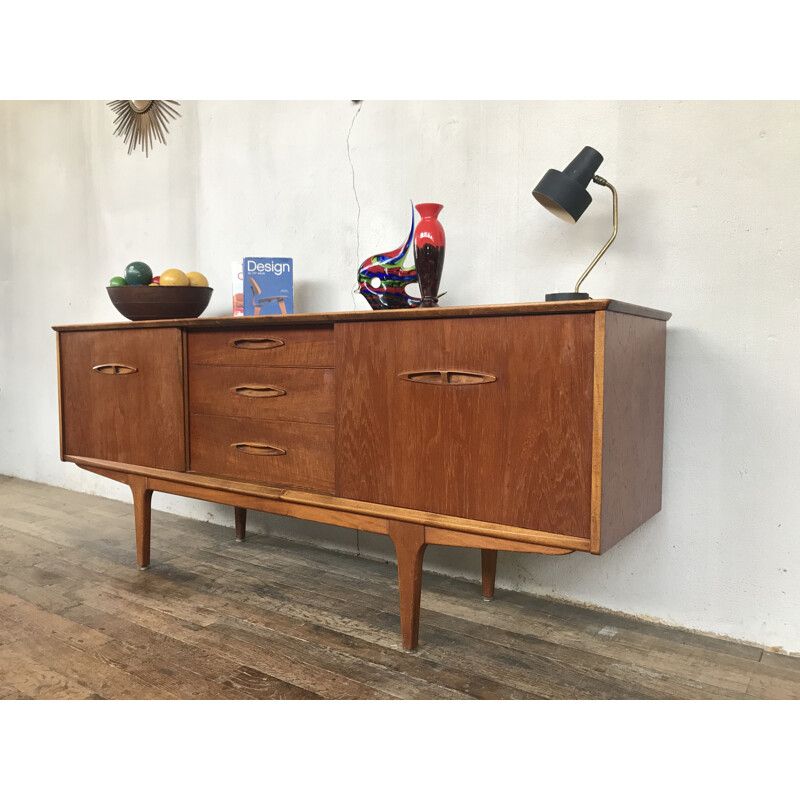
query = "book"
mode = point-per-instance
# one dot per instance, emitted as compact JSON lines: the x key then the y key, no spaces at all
{"x":267,"y":286}
{"x":237,"y":288}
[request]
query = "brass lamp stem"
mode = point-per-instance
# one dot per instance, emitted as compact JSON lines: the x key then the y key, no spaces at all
{"x":602,"y":182}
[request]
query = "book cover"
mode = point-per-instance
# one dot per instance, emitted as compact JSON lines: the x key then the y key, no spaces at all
{"x":267,"y":284}
{"x":237,"y":289}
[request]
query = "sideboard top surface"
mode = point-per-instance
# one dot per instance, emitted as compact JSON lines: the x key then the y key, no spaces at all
{"x":514,"y":309}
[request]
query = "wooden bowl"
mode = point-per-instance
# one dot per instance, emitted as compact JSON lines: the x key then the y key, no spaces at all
{"x":160,"y":302}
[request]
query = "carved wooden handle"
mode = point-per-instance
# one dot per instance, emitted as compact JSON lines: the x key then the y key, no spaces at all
{"x":258,"y":391}
{"x":265,"y":343}
{"x":259,"y":449}
{"x":447,"y":377}
{"x":114,"y":369}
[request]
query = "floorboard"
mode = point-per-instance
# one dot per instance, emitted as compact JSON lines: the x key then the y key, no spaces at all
{"x":271,"y":618}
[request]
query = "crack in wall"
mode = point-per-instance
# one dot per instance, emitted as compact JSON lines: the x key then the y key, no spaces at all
{"x":358,"y":204}
{"x":358,"y":242}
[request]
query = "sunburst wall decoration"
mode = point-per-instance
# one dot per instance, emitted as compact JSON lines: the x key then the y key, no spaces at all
{"x":140,"y":122}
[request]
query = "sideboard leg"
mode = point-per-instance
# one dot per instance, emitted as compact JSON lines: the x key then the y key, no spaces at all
{"x":241,"y":522}
{"x":488,"y":572}
{"x":409,"y":544}
{"x":141,"y":513}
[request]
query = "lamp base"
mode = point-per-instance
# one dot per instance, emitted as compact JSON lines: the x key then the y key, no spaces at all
{"x":562,"y":296}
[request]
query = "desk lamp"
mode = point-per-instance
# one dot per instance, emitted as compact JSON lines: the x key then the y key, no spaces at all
{"x":564,"y":194}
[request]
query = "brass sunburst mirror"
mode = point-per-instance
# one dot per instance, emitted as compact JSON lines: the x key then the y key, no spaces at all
{"x":139,"y":122}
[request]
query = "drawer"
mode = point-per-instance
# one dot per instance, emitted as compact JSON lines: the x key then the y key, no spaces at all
{"x":294,"y":454}
{"x":279,"y":393}
{"x":310,"y":346}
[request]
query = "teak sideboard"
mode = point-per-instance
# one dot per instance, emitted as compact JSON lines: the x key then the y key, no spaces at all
{"x":533,"y":428}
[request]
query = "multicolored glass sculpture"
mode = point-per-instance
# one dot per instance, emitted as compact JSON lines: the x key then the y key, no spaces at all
{"x":390,"y":280}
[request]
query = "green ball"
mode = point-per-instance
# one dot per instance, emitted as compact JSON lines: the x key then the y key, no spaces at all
{"x":137,"y":273}
{"x":117,"y":281}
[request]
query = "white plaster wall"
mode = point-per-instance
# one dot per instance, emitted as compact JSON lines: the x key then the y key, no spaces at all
{"x":708,"y":231}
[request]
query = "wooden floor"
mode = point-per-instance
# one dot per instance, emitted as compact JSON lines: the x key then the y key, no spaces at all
{"x":271,"y":619}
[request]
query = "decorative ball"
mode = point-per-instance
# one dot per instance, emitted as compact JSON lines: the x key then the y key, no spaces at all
{"x":117,"y":281}
{"x":173,"y":277}
{"x":137,"y":273}
{"x":156,"y":280}
{"x":197,"y":279}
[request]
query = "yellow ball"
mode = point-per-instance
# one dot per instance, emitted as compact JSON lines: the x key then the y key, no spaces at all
{"x":174,"y":277}
{"x":197,"y":279}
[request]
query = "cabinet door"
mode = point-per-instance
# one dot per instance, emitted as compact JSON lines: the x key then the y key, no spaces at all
{"x":122,"y":396}
{"x":483,"y":418}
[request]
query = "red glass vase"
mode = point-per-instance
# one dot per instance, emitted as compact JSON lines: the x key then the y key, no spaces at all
{"x":429,"y":252}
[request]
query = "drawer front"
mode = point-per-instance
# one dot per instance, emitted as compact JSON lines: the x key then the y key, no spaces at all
{"x":293,"y":394}
{"x":310,"y":346}
{"x":293,"y":454}
{"x":484,"y":418}
{"x":122,"y":396}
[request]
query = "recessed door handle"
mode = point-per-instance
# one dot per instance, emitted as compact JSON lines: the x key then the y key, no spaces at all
{"x":447,"y":377}
{"x":259,"y":391}
{"x":114,"y":369}
{"x":258,"y":449}
{"x":263,"y":343}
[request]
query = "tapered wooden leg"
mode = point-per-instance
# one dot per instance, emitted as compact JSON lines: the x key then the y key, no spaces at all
{"x":141,"y":513}
{"x":409,"y":544}
{"x":240,"y":515}
{"x":488,"y":572}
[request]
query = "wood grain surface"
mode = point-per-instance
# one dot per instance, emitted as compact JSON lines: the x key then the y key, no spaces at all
{"x":409,"y":544}
{"x":137,"y":417}
{"x":240,"y":523}
{"x":213,"y":619}
{"x":597,"y":429}
{"x":315,"y":506}
{"x":461,"y":539}
{"x":440,"y":312}
{"x":515,"y":451}
{"x":307,"y":463}
{"x":307,"y":394}
{"x":142,"y":497}
{"x":299,"y":346}
{"x":633,"y":424}
{"x":488,"y":572}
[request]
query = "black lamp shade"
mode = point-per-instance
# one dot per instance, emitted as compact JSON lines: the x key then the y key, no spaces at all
{"x":564,"y":193}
